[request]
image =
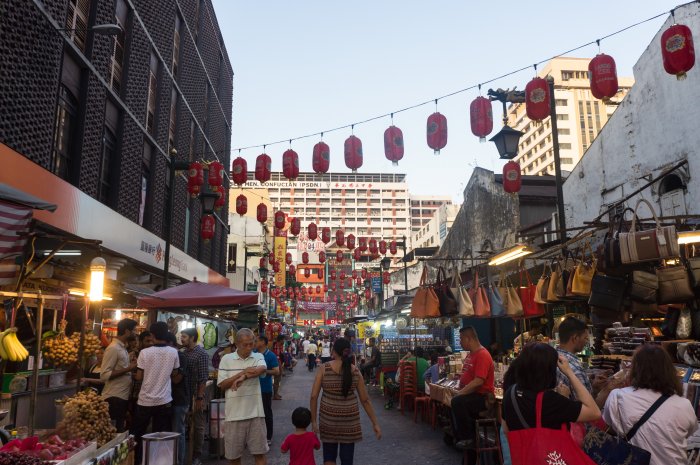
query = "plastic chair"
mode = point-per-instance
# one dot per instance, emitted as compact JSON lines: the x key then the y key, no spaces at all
{"x":407,"y":383}
{"x":424,"y":402}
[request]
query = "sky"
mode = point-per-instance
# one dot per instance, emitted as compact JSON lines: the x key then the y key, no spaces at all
{"x":305,"y":66}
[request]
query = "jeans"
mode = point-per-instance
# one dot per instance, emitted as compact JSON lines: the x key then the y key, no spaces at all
{"x":162,"y":417}
{"x":465,"y":410}
{"x":198,"y":427}
{"x":267,"y":406}
{"x":312,"y":362}
{"x":180,"y":426}
{"x":117,"y":412}
{"x":330,"y":452}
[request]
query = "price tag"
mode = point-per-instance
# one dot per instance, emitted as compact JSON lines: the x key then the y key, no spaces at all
{"x":661,"y":239}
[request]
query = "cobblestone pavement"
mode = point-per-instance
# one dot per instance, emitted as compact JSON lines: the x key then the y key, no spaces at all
{"x":403,"y":441}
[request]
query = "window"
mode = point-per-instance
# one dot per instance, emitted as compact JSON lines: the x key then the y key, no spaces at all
{"x":145,"y":183}
{"x":562,"y":117}
{"x":564,"y":131}
{"x":63,"y":140}
{"x":561,"y":102}
{"x":109,"y":147}
{"x":77,"y":21}
{"x":117,"y":61}
{"x":176,"y":45}
{"x":566,"y":75}
{"x":152,"y":93}
{"x":173,"y":118}
{"x":567,"y":161}
{"x":565,"y":146}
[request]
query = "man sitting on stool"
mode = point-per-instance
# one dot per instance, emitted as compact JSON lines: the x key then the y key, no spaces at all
{"x":475,"y":384}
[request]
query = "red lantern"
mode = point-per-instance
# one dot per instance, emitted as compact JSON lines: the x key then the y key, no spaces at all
{"x":511,"y":177}
{"x":341,"y":296}
{"x":293,"y":270}
{"x":288,"y":258}
{"x":326,"y":235}
{"x":677,"y":50}
{"x":368,"y":294}
{"x":373,"y":246}
{"x":382,"y":247}
{"x":305,"y":258}
{"x":321,"y":158}
{"x":350,"y":241}
{"x":537,"y":99}
{"x":263,"y":262}
{"x":208,"y":227}
{"x":481,"y":117}
{"x":195,"y":178}
{"x":353,"y":153}
{"x":262,"y":213}
{"x":239,"y":171}
{"x":358,"y":281}
{"x":386,"y":277}
{"x":220,"y":197}
{"x":354,"y":274}
{"x":241,"y":205}
{"x":392,"y":247}
{"x":318,"y":289}
{"x":342,"y":275}
{"x":295,"y":227}
{"x":363,"y":244}
{"x":290,"y":164}
{"x":325,"y":288}
{"x":603,"y":76}
{"x":263,"y":285}
{"x":364,"y":273}
{"x":280,"y":219}
{"x":263,"y":168}
{"x":333,"y":275}
{"x":342,"y":284}
{"x":393,"y":144}
{"x":320,"y":273}
{"x":290,"y":291}
{"x":312,"y":231}
{"x":437,"y":132}
{"x":349,"y":284}
{"x":322,"y":257}
{"x":357,"y":254}
{"x":216,"y":174}
{"x":276,"y":267}
{"x":339,"y":238}
{"x":307,"y":272}
{"x":339,"y":256}
{"x":333,"y":286}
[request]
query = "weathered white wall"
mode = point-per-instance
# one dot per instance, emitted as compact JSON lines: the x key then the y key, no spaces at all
{"x":656,"y":126}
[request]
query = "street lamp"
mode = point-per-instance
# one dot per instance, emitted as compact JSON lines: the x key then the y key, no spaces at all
{"x":507,"y":141}
{"x":98,"y":265}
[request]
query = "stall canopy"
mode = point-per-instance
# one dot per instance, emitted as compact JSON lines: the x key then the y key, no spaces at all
{"x":196,"y":294}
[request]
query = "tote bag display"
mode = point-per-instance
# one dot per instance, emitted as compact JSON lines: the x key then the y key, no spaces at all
{"x":425,"y":303}
{"x":479,"y":298}
{"x":464,"y":303}
{"x":528,"y":296}
{"x":511,"y":299}
{"x":583,"y":274}
{"x":498,"y":308}
{"x":652,"y":244}
{"x":448,"y":303}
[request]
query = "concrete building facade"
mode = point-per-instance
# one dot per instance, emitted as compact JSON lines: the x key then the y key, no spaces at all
{"x":423,"y":208}
{"x":435,"y":231}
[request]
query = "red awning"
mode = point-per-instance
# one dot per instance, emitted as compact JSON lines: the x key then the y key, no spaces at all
{"x":196,"y":294}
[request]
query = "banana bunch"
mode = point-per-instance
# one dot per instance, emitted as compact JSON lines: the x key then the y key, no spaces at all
{"x":10,"y":347}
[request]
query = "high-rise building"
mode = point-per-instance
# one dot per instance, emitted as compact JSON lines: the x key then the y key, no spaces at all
{"x":434,"y":232}
{"x":580,"y":117}
{"x":423,"y":208}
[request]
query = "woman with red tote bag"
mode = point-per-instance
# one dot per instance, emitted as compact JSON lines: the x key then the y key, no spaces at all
{"x":537,"y":418}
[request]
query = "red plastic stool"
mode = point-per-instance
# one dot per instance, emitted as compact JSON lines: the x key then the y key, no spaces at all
{"x":419,"y":401}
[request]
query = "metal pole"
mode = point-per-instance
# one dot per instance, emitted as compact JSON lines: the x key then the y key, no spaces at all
{"x":245,"y":267}
{"x":81,"y":345}
{"x":557,"y":162}
{"x":35,"y":368}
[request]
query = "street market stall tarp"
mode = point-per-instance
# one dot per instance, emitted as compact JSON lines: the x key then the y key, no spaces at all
{"x":197,"y":294}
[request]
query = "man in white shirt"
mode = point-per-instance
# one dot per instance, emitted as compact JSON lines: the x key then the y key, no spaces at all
{"x":156,"y":367}
{"x":239,"y":374}
{"x":116,"y":373}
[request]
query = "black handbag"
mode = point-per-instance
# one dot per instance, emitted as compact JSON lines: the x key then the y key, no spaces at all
{"x":607,"y":292}
{"x":670,"y":324}
{"x":612,"y":258}
{"x":644,"y":286}
{"x":448,"y":303}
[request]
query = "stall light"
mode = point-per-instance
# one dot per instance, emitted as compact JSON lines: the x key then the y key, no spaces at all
{"x":106,"y":297}
{"x":405,"y":312}
{"x":688,"y":237}
{"x":98,"y":265}
{"x":78,"y":292}
{"x":518,"y":251}
{"x":64,"y":253}
{"x":118,"y":315}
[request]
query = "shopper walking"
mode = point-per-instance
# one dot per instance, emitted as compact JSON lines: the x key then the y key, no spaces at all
{"x":573,"y":338}
{"x":325,"y":350}
{"x":301,"y":443}
{"x":116,"y":373}
{"x":197,"y":372}
{"x":311,"y":350}
{"x":266,"y":389}
{"x":665,"y":433}
{"x":339,"y":418}
{"x":245,"y":415}
{"x":156,"y":367}
{"x":181,"y":403}
{"x":278,"y":350}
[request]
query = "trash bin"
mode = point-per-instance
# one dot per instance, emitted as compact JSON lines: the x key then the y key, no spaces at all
{"x":160,"y":448}
{"x":217,"y":416}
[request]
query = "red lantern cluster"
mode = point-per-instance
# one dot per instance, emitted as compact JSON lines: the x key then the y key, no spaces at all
{"x":241,"y":205}
{"x":382,"y":247}
{"x":393,"y":144}
{"x":603,"y":76}
{"x":239,"y":171}
{"x":481,"y":117}
{"x":353,"y":153}
{"x":262,"y":213}
{"x":195,"y":178}
{"x":208,"y":227}
{"x":321,"y":158}
{"x":290,"y":164}
{"x":312,"y":231}
{"x":263,"y":168}
{"x":511,"y":177}
{"x":437,"y":132}
{"x":537,"y":99}
{"x":677,"y":50}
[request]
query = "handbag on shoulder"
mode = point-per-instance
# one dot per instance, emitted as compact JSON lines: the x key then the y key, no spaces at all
{"x":464,"y":303}
{"x":448,"y":303}
{"x":425,"y":303}
{"x":651,"y":244}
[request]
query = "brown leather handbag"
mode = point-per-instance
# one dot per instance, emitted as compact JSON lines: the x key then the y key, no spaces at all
{"x":557,"y":287}
{"x":511,"y":299}
{"x":542,"y":286}
{"x":583,"y":273}
{"x":479,"y":298}
{"x":644,"y":286}
{"x":425,"y":303}
{"x":674,"y":285}
{"x":651,"y":244}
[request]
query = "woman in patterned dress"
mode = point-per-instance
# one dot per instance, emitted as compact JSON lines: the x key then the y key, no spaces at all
{"x":339,"y":418}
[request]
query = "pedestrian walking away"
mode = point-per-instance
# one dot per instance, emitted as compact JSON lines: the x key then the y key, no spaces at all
{"x":301,"y":443}
{"x":266,"y":386}
{"x":311,"y":350}
{"x":197,"y":372}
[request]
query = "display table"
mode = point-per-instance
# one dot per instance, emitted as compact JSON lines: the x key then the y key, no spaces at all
{"x":45,"y":406}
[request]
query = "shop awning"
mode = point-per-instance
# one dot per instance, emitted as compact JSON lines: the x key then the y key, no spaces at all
{"x":196,"y":295}
{"x":18,"y":197}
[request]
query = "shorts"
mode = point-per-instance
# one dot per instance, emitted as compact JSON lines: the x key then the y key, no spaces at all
{"x":248,"y":434}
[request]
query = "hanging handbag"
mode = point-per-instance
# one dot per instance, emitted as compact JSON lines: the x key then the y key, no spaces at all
{"x":583,"y":274}
{"x":694,"y":269}
{"x":479,"y":298}
{"x":611,"y":259}
{"x":684,"y":328}
{"x":542,"y":286}
{"x":651,"y":244}
{"x":448,"y":303}
{"x":605,"y":448}
{"x":670,"y":324}
{"x":674,"y":285}
{"x":607,"y":292}
{"x":425,"y":303}
{"x":556,"y":287}
{"x":542,"y":446}
{"x":644,"y":286}
{"x":464,"y":303}
{"x":498,"y":309}
{"x":511,"y":299}
{"x":528,"y":296}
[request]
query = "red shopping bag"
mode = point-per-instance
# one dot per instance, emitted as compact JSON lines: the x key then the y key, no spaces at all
{"x":544,"y":446}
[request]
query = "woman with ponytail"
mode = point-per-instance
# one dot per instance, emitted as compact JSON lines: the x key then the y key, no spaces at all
{"x":338,"y":421}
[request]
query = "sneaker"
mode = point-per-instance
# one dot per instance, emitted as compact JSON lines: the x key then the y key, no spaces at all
{"x":269,"y":443}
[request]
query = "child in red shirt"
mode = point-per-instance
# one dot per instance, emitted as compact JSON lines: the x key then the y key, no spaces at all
{"x":301,"y":443}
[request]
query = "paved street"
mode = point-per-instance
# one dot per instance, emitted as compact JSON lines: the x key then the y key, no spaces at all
{"x":403,"y":441}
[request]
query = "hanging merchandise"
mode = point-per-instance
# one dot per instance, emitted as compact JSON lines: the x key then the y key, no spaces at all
{"x":333,"y":286}
{"x":602,"y":73}
{"x":354,"y":274}
{"x":263,"y":285}
{"x":276,"y":267}
{"x":280,"y":219}
{"x":357,"y":254}
{"x":481,"y":117}
{"x":353,"y":153}
{"x":295,"y":227}
{"x":392,"y":248}
{"x":334,"y":275}
{"x":220,"y":197}
{"x":262,"y":213}
{"x":537,"y":99}
{"x":339,"y":238}
{"x":677,"y":50}
{"x":386,"y":277}
{"x":393,"y":144}
{"x":321,"y":158}
{"x":342,"y":275}
{"x":307,"y":272}
{"x":437,"y":131}
{"x":288,"y":258}
{"x":263,"y":168}
{"x":312,"y":231}
{"x":208,"y":227}
{"x":373,"y":246}
{"x":326,"y":235}
{"x":305,"y":258}
{"x":322,"y":257}
{"x":216,"y":174}
{"x":241,"y":205}
{"x":511,"y":177}
{"x":350,"y":241}
{"x":239,"y":171}
{"x":195,"y":178}
{"x":320,"y":272}
{"x":293,"y":271}
{"x":362,"y":244}
{"x":339,"y":256}
{"x":382,"y":247}
{"x":364,"y":273}
{"x":290,"y":164}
